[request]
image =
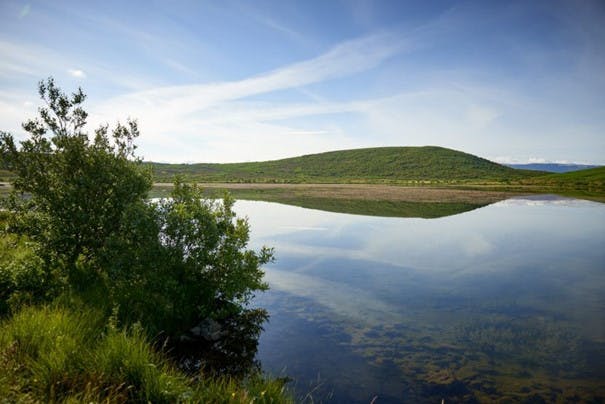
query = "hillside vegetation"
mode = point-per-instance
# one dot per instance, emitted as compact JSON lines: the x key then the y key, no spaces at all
{"x":591,"y":180}
{"x":374,"y":165}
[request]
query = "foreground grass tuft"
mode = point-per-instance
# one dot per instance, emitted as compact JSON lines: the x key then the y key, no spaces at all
{"x":52,"y":354}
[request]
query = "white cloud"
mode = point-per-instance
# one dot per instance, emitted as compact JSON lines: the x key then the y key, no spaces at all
{"x":274,"y":25}
{"x":25,"y":59}
{"x":36,"y":62}
{"x":213,"y":121}
{"x":343,"y":60}
{"x":443,"y":116}
{"x":77,"y":73}
{"x":15,"y":107}
{"x":179,"y":67}
{"x":224,"y":121}
{"x":479,"y":116}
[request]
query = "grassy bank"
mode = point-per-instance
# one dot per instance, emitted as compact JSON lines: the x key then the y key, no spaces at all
{"x":55,"y":354}
{"x":68,"y":352}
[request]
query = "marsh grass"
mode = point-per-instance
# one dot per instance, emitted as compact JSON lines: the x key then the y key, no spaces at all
{"x":53,"y":354}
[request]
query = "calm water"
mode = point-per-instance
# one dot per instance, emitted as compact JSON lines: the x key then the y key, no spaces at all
{"x":502,"y":302}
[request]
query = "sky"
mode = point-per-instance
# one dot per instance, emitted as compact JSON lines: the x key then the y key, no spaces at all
{"x":235,"y":80}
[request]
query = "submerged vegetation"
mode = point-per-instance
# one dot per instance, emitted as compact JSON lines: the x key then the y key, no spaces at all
{"x":91,"y":272}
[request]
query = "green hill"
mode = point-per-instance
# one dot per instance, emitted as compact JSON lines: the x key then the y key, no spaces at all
{"x":591,"y":180}
{"x":375,"y":165}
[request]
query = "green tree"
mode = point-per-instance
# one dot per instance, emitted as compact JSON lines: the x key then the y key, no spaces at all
{"x":79,"y":188}
{"x":187,"y":261}
{"x":168,"y":264}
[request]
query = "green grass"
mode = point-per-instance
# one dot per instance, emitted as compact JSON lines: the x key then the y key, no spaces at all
{"x":65,"y":352}
{"x":21,"y":279}
{"x":584,"y":184}
{"x":6,"y":176}
{"x":373,"y":165}
{"x":54,"y":354}
{"x":590,"y":180}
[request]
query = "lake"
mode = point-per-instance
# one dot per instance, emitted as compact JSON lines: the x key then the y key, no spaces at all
{"x":504,"y":302}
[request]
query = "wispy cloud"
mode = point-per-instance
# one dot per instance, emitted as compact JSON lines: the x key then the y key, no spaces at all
{"x":77,"y":73}
{"x":447,"y":78}
{"x":34,"y":62}
{"x":213,"y":114}
{"x":20,"y":58}
{"x":278,"y":27}
{"x":179,"y":67}
{"x":342,"y":60}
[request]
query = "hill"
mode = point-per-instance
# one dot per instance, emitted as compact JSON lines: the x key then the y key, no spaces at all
{"x":430,"y":164}
{"x":591,"y":181}
{"x":552,"y":167}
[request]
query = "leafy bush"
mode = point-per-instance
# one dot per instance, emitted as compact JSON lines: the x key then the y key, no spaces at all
{"x":79,"y":188}
{"x":22,"y":276}
{"x":187,"y":261}
{"x":168,"y":264}
{"x":78,"y":230}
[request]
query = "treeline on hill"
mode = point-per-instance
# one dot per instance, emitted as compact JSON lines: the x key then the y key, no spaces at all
{"x":106,"y":296}
{"x":373,"y":165}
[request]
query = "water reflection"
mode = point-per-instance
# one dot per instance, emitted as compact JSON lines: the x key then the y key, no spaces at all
{"x":231,"y":351}
{"x":499,"y":302}
{"x":382,"y":208}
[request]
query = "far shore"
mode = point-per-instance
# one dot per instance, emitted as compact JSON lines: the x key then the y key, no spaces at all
{"x":459,"y":193}
{"x":367,"y":192}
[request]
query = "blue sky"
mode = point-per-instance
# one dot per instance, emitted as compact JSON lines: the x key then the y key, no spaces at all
{"x":225,"y":81}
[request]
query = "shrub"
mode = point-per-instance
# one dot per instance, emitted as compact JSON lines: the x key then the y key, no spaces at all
{"x":187,"y":261}
{"x":168,"y":264}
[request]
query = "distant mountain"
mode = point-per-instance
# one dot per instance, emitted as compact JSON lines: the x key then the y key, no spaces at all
{"x":371,"y":165}
{"x":552,"y":167}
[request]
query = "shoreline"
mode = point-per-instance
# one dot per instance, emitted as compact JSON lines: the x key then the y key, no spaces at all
{"x":459,"y":193}
{"x":365,"y":192}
